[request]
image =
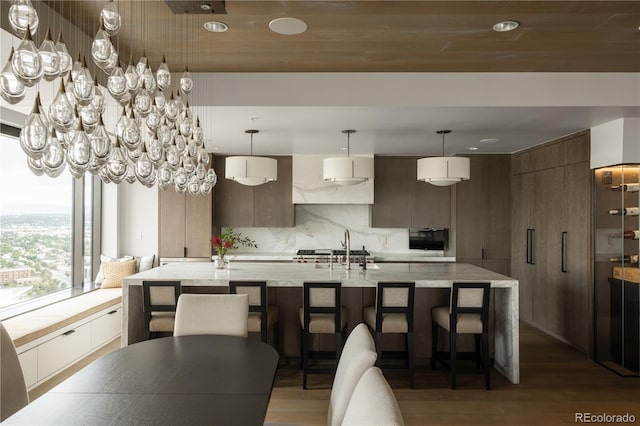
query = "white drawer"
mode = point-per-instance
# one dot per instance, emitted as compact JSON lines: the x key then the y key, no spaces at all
{"x":106,"y":328}
{"x":63,"y":350}
{"x":29,"y":364}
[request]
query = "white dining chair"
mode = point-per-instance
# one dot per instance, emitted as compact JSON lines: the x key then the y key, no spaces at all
{"x":13,"y":389}
{"x":373,"y":402}
{"x":358,"y":355}
{"x":222,"y":314}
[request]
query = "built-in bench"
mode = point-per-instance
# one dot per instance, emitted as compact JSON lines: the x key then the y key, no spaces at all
{"x":51,"y":338}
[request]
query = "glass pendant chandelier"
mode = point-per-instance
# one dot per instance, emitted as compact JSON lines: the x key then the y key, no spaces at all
{"x":110,"y":18}
{"x":251,"y":171}
{"x":63,"y":55}
{"x":33,"y":136}
{"x":163,"y":75}
{"x":156,"y":139}
{"x":27,"y":62}
{"x":347,"y":170}
{"x":443,"y":171}
{"x":50,"y":58}
{"x":11,"y":89}
{"x":23,"y":17}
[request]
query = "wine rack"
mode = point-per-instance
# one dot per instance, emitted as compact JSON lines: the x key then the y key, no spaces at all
{"x":616,"y":276}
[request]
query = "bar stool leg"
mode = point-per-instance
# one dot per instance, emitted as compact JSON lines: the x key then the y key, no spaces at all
{"x":434,"y":344}
{"x":486,"y":362}
{"x":410,"y":359}
{"x":452,"y":352}
{"x":276,"y":336}
{"x":305,"y":358}
{"x":379,"y":348}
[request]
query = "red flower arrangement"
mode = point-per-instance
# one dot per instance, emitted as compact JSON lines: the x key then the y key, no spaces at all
{"x":230,"y":240}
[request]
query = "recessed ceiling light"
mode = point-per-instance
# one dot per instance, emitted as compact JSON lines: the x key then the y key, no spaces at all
{"x":206,"y":6}
{"x":506,"y":26}
{"x":216,"y":27}
{"x":489,"y":140}
{"x":473,"y":148}
{"x":288,"y":26}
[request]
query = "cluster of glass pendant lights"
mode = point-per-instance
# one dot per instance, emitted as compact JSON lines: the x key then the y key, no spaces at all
{"x":155,"y":140}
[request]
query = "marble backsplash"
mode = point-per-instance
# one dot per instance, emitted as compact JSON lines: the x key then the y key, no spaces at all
{"x":321,"y":226}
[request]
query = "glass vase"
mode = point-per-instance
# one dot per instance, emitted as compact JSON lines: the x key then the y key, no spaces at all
{"x":221,"y":262}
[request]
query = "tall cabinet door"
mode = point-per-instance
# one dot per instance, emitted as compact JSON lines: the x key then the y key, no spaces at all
{"x":522,"y":240}
{"x":482,"y":214}
{"x":184,"y":224}
{"x":198,"y":225}
{"x":549,"y":213}
{"x":470,"y":214}
{"x":391,"y":195}
{"x":579,"y":287}
{"x":171,"y":220}
{"x":234,"y":202}
{"x":496,"y":171}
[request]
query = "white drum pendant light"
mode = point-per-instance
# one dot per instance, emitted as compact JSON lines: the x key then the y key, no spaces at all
{"x":443,"y":171}
{"x":347,"y":170}
{"x":251,"y":171}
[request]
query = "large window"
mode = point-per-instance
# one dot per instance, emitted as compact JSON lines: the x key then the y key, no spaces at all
{"x":38,"y":228}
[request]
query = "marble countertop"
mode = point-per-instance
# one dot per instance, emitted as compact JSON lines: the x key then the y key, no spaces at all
{"x":260,"y":257}
{"x":409,"y":256}
{"x":294,"y":274}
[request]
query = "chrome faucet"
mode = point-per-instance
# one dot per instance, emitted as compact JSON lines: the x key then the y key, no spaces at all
{"x":347,"y":246}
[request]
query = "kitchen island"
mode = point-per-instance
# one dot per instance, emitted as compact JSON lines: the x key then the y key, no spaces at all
{"x":289,"y":277}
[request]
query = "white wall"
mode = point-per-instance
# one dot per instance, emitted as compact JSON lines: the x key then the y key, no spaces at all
{"x":136,"y":227}
{"x":322,"y":226}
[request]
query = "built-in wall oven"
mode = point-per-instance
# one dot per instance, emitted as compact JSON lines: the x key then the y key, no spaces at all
{"x":428,"y":239}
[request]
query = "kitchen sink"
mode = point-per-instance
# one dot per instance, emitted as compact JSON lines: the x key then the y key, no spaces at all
{"x":354,"y":266}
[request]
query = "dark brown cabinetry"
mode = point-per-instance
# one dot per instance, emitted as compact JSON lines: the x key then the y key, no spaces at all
{"x":551,"y":237}
{"x":185,"y":224}
{"x":267,"y":205}
{"x":401,"y":201}
{"x":482,"y":214}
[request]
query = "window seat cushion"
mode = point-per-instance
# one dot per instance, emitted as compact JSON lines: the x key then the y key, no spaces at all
{"x":32,"y":325}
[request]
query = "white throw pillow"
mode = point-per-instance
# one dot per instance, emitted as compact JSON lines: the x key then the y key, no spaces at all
{"x":144,"y":263}
{"x":103,"y":258}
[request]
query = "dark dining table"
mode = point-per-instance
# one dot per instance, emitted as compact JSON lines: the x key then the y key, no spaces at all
{"x":187,"y":380}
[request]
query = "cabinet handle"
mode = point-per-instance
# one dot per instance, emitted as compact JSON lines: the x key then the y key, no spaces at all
{"x":184,"y":252}
{"x":563,"y":253}
{"x":529,"y":246}
{"x":112,"y":312}
{"x":68,"y":332}
{"x":482,"y":254}
{"x":533,"y":246}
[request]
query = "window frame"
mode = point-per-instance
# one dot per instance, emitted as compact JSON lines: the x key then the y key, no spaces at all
{"x":78,"y":284}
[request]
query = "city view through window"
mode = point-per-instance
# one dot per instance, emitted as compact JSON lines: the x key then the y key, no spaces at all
{"x":35,"y":228}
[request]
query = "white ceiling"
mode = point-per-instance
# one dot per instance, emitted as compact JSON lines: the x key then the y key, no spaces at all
{"x":399,"y":113}
{"x":393,"y":130}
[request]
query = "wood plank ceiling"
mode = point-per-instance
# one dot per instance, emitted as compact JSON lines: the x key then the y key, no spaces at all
{"x":365,"y":36}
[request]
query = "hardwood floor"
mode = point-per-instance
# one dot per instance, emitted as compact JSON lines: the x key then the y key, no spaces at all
{"x":556,"y":382}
